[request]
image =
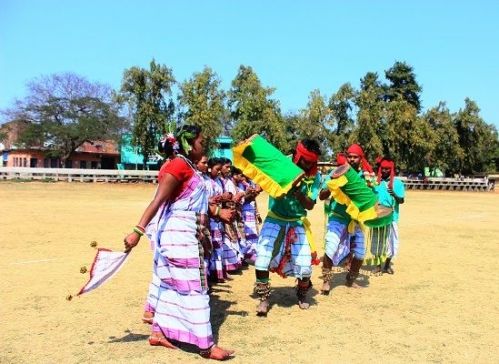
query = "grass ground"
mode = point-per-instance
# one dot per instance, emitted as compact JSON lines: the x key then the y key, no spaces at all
{"x":441,"y":306}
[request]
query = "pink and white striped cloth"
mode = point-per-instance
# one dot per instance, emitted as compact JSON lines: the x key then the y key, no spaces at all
{"x":105,"y":265}
{"x":182,"y":308}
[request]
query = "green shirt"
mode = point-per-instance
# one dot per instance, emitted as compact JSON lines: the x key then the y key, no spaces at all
{"x":288,"y":206}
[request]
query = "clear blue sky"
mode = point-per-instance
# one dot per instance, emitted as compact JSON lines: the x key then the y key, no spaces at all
{"x":294,"y":46}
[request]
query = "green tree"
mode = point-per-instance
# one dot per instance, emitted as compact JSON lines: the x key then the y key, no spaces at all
{"x":292,"y":123}
{"x":370,"y":129}
{"x":253,"y":111}
{"x":477,"y":139}
{"x":410,"y":139}
{"x":148,"y":95}
{"x":447,"y":154}
{"x":62,"y":111}
{"x":203,"y":104}
{"x":342,"y":122}
{"x":313,"y":120}
{"x":403,"y":85}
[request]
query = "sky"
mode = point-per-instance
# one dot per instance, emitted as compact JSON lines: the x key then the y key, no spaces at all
{"x":293,"y":46}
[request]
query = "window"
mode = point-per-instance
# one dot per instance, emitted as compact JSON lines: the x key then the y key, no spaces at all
{"x":46,"y":163}
{"x":94,"y":165}
{"x":69,"y":163}
{"x":25,"y":162}
{"x":33,"y":162}
{"x":53,"y":163}
{"x":83,"y":164}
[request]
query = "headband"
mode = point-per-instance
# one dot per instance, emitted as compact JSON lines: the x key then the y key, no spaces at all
{"x":309,"y":156}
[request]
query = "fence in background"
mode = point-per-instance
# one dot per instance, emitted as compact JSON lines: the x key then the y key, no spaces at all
{"x":450,"y":184}
{"x":77,"y":175}
{"x":115,"y":175}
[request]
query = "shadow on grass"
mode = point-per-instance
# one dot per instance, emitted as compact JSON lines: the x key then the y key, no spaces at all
{"x":129,"y":337}
{"x":339,"y":279}
{"x":286,"y":296}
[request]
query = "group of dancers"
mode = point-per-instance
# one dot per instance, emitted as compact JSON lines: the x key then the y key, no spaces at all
{"x":203,"y":224}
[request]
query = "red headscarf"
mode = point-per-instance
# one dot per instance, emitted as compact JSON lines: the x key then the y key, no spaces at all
{"x":309,"y":156}
{"x":341,"y":159}
{"x":387,"y":163}
{"x":357,"y":150}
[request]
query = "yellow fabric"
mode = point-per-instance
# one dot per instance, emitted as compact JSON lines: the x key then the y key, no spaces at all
{"x":307,"y":226}
{"x":353,"y":211}
{"x":370,"y":259}
{"x":257,"y":175}
{"x":308,"y":233}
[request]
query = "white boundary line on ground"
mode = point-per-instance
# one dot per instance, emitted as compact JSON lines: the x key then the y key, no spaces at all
{"x":34,"y":261}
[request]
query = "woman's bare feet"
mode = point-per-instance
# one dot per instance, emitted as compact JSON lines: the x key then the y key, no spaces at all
{"x":157,"y":339}
{"x":216,"y":353}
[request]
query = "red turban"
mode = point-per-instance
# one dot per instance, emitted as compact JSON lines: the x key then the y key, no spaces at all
{"x":357,"y":150}
{"x":341,"y":159}
{"x":309,"y":156}
{"x":387,"y":163}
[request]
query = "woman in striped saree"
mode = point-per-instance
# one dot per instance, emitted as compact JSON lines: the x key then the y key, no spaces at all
{"x":182,"y":310}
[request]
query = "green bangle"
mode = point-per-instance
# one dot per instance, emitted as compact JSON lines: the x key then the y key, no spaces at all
{"x":138,"y":231}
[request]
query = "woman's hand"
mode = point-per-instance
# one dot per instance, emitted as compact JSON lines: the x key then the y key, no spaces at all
{"x":239,"y":196}
{"x":227,"y":215}
{"x":131,"y":241}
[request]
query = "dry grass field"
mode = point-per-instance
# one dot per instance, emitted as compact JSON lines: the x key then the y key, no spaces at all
{"x":441,"y":306}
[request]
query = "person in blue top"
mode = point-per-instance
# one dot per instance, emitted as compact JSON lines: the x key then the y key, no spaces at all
{"x":344,"y":237}
{"x":391,"y":193}
{"x":283,"y":245}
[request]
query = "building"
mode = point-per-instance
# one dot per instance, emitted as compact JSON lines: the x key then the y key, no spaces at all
{"x":224,"y":149}
{"x":132,"y":158}
{"x":90,"y":155}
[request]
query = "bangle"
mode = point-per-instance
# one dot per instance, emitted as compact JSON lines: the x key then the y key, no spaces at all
{"x":217,"y":211}
{"x":138,"y":231}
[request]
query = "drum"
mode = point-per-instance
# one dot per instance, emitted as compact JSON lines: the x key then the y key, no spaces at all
{"x":349,"y":189}
{"x":267,"y":166}
{"x":384,"y":217}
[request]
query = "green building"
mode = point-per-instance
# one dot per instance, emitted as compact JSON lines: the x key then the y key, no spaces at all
{"x":224,"y":149}
{"x":132,"y":158}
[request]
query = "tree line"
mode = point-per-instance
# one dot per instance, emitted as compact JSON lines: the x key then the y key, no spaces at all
{"x":384,"y":115}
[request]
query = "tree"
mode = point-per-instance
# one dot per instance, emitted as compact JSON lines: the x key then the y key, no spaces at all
{"x":204,"y":104}
{"x":410,"y":139}
{"x":62,"y":111}
{"x":146,"y":92}
{"x":253,"y":111}
{"x":313,"y":120}
{"x":370,"y":130}
{"x":403,"y":85}
{"x":477,"y":139}
{"x":448,"y":154}
{"x":342,"y":122}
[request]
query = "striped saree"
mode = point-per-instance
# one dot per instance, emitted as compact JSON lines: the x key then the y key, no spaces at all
{"x":182,"y":307}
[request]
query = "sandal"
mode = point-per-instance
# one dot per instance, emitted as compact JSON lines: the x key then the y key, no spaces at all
{"x":216,"y":353}
{"x":161,"y":341}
